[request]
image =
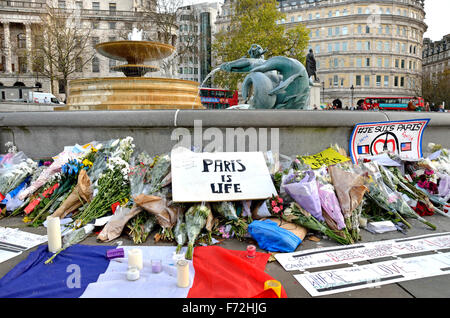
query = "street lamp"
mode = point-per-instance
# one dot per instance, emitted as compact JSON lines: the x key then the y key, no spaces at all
{"x":351,"y":103}
{"x":323,"y":92}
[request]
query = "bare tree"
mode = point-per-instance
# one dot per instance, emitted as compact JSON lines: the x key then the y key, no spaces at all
{"x":61,"y":45}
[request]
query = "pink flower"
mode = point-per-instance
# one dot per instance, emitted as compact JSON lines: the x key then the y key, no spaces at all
{"x":273,"y":204}
{"x":429,"y":172}
{"x":280,"y":200}
{"x":276,"y":209}
{"x":281,"y":207}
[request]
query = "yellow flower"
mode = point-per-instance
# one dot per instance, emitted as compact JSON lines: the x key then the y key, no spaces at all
{"x":94,"y":149}
{"x":87,"y":163}
{"x":26,"y":219}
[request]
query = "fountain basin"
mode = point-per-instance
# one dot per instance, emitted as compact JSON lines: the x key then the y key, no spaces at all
{"x":132,"y":93}
{"x":133,"y":70}
{"x":135,"y":52}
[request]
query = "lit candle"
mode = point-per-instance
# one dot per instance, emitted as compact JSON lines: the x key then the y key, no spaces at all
{"x":251,"y":251}
{"x":274,"y":285}
{"x":54,"y":234}
{"x":156,"y":265}
{"x":182,"y":273}
{"x":135,"y":258}
{"x":133,"y":273}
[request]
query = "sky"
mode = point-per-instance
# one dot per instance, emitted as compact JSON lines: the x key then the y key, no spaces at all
{"x":437,"y":17}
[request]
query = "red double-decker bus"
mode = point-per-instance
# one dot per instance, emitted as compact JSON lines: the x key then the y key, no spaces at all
{"x":216,"y":98}
{"x":391,"y":103}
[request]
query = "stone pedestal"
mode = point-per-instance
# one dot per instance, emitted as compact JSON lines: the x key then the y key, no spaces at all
{"x":314,"y":96}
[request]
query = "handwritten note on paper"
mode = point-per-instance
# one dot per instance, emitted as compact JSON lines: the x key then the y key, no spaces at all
{"x":219,"y":176}
{"x":327,"y":157}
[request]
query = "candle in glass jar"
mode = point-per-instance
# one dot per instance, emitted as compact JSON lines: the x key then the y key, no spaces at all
{"x":135,"y":258}
{"x":54,"y":234}
{"x":133,"y":273}
{"x":156,"y":265}
{"x":251,"y":251}
{"x":182,"y":273}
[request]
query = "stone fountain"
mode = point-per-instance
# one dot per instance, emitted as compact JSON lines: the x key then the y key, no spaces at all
{"x":134,"y":91}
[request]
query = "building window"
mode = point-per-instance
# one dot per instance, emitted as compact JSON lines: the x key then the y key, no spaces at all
{"x":403,"y":64}
{"x":22,"y":60}
{"x":337,"y":46}
{"x":61,"y":4}
{"x":367,"y":46}
{"x":387,"y":46}
{"x":61,"y":87}
{"x":344,"y":46}
{"x":337,"y":30}
{"x":112,"y":6}
{"x":367,"y":80}
{"x":367,"y":29}
{"x":95,"y":65}
{"x":330,"y":31}
{"x":112,"y":25}
{"x":402,"y":82}
{"x":79,"y":4}
{"x":335,"y":80}
{"x":379,"y":62}
{"x":359,"y":29}
{"x":359,"y":46}
{"x":358,"y":80}
{"x":358,"y":62}
{"x":96,"y":5}
{"x":344,"y":30}
{"x":330,"y":47}
{"x":396,"y":81}
{"x":378,"y":80}
{"x":21,"y":41}
{"x":386,"y":81}
{"x":386,"y":63}
{"x":317,"y":49}
{"x":367,"y":61}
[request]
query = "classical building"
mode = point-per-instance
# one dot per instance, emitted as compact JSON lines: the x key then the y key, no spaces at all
{"x":436,"y":56}
{"x":196,"y":27}
{"x":362,"y":48}
{"x":108,"y":20}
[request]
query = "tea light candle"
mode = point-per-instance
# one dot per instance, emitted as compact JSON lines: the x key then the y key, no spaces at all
{"x":54,"y":234}
{"x":133,"y":273}
{"x":135,"y":258}
{"x":251,"y":251}
{"x":156,"y":265}
{"x":182,"y":273}
{"x":274,"y":285}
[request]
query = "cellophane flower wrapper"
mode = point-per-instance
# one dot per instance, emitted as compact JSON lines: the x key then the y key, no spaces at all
{"x":114,"y":227}
{"x":159,"y":171}
{"x":180,"y":232}
{"x":195,"y":217}
{"x":47,"y":174}
{"x":15,"y":175}
{"x":140,"y":174}
{"x":306,"y":194}
{"x":226,"y":209}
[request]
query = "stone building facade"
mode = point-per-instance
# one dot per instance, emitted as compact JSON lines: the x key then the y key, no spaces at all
{"x":362,"y":48}
{"x":436,"y":56}
{"x":108,"y":20}
{"x":196,"y":28}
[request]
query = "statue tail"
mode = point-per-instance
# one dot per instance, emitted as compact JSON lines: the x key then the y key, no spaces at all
{"x":261,"y":85}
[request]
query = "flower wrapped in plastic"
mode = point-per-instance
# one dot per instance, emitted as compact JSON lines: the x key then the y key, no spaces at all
{"x":227,"y":211}
{"x":141,"y":226}
{"x":305,"y":193}
{"x":15,"y":172}
{"x":159,"y":172}
{"x":196,"y":218}
{"x":180,"y":232}
{"x":350,"y":189}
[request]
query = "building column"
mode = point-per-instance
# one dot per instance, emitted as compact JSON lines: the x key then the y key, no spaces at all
{"x":7,"y":43}
{"x":29,"y":47}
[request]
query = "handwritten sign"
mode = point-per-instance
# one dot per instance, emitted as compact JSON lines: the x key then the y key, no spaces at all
{"x":403,"y":138}
{"x":365,"y":276}
{"x":327,"y":157}
{"x":219,"y":176}
{"x":321,"y":257}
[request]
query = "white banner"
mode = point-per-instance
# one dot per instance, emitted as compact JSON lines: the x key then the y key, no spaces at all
{"x":321,"y":257}
{"x":372,"y":275}
{"x":219,"y":176}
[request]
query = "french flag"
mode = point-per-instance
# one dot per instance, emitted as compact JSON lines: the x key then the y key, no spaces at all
{"x":363,"y":150}
{"x":84,"y":271}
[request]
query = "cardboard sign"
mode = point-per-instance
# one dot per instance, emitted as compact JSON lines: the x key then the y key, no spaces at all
{"x":219,"y":176}
{"x":365,"y":276}
{"x":327,"y":157}
{"x":321,"y":257}
{"x":403,"y":138}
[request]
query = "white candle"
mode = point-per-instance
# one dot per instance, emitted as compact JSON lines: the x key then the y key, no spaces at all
{"x":135,"y":258}
{"x":182,"y":273}
{"x":54,"y":234}
{"x":133,"y":273}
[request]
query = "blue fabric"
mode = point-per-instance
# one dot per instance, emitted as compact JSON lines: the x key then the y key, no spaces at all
{"x":31,"y":278}
{"x":273,"y":238}
{"x":14,"y":192}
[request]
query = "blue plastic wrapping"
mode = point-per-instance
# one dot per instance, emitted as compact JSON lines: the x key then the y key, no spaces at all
{"x":273,"y":238}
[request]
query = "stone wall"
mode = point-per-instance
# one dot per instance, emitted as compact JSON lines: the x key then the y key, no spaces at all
{"x":43,"y":134}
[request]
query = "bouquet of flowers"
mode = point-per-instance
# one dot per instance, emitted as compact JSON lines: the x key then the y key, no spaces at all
{"x":180,"y":232}
{"x":227,"y":210}
{"x":160,"y":169}
{"x":12,"y":176}
{"x":296,"y":214}
{"x":113,"y":187}
{"x":331,"y":209}
{"x":140,"y":227}
{"x":196,"y":217}
{"x":350,"y":189}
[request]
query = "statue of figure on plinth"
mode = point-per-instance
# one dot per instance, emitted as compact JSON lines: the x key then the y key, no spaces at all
{"x":277,"y":83}
{"x":311,"y":65}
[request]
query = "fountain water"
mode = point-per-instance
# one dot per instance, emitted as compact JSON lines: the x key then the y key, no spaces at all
{"x":133,"y":91}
